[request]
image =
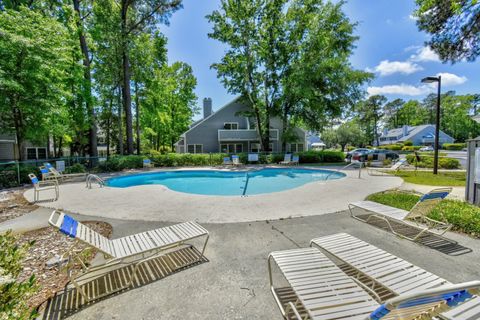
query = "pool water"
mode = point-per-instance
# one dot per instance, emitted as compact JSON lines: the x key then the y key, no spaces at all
{"x":228,"y":183}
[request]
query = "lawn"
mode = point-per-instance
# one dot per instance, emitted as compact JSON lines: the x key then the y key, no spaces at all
{"x":452,"y":179}
{"x":464,"y":216}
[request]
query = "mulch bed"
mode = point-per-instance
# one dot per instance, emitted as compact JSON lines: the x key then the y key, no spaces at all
{"x":48,"y":243}
{"x":15,"y":206}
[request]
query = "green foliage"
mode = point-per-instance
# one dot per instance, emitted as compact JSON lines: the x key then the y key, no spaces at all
{"x":427,"y":162}
{"x":9,"y":178}
{"x":453,"y":146}
{"x":408,"y":143}
{"x":464,"y":216}
{"x":453,"y":26}
{"x":428,"y":178}
{"x":76,"y":168}
{"x":387,"y":162}
{"x":393,"y":147}
{"x":408,"y":148}
{"x":369,"y":112}
{"x":14,"y":293}
{"x":119,"y":163}
{"x":287,"y":58}
{"x":346,"y":133}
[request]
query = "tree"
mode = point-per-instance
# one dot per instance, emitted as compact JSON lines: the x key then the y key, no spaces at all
{"x":456,"y":120}
{"x":286,"y":58}
{"x":370,"y":112}
{"x":137,"y":16}
{"x":454,"y":26}
{"x":33,"y":72}
{"x":346,"y":133}
{"x":391,"y":110}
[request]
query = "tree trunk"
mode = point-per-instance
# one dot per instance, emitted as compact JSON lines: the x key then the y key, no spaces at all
{"x":126,"y":94}
{"x":18,"y":122}
{"x":109,"y":119}
{"x":120,"y":131}
{"x":93,"y":149}
{"x":137,"y":111}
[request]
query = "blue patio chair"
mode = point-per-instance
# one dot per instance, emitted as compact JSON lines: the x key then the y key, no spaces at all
{"x":287,"y":159}
{"x":397,"y":219}
{"x":39,"y":186}
{"x":227,"y":161}
{"x":147,"y":163}
{"x":295,"y":160}
{"x":236,"y":160}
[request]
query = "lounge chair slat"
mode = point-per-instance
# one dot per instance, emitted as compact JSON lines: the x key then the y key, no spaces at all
{"x":470,"y":310}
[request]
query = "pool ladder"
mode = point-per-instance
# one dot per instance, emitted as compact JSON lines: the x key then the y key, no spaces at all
{"x":245,"y":185}
{"x":94,"y":178}
{"x":351,"y":164}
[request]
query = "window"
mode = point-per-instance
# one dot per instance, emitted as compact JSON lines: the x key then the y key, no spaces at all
{"x":255,"y":147}
{"x":231,"y":148}
{"x":230,"y":126}
{"x":195,"y":148}
{"x":36,"y":153}
{"x":296,"y":147}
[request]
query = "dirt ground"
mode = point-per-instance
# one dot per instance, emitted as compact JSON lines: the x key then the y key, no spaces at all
{"x":13,"y":205}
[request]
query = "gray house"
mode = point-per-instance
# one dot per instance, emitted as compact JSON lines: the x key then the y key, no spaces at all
{"x":228,"y":131}
{"x":419,"y":135}
{"x":9,"y":149}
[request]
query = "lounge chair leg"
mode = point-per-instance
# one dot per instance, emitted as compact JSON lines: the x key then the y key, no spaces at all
{"x":203,"y":250}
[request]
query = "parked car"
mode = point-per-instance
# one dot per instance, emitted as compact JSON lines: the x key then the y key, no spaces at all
{"x":380,"y":154}
{"x":359,"y":151}
{"x":426,"y":148}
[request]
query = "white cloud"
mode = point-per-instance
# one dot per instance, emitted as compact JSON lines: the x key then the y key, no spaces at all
{"x":412,"y":17}
{"x":386,"y":67}
{"x":425,"y":54}
{"x":450,"y":79}
{"x":400,"y":89}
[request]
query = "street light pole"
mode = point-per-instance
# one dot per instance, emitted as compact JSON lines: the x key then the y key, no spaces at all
{"x":437,"y":121}
{"x":437,"y":129}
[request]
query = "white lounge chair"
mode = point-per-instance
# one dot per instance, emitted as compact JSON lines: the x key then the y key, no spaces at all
{"x":147,"y":164}
{"x":318,"y":289}
{"x":392,"y":216}
{"x":382,"y":271}
{"x":387,"y":171}
{"x":145,"y":246}
{"x":287,"y":159}
{"x":295,"y":160}
{"x":63,"y":176}
{"x":227,"y":161}
{"x":40,"y":186}
{"x":236,"y":160}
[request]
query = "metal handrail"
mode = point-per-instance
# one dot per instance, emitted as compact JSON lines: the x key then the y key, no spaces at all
{"x":345,"y":167}
{"x":96,"y":178}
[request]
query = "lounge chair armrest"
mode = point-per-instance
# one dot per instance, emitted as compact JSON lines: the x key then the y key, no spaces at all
{"x":56,"y":218}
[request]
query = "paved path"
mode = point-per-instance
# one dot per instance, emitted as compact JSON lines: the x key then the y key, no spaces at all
{"x":157,"y":203}
{"x":234,"y":283}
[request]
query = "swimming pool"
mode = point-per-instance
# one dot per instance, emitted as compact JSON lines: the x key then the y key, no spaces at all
{"x":228,"y":183}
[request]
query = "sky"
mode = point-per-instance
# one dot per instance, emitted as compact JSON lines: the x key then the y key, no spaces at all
{"x":390,"y":46}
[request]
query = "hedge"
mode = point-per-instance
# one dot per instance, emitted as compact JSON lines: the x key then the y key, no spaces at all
{"x":393,"y":147}
{"x":453,"y":146}
{"x":427,"y":162}
{"x":119,"y":163}
{"x":8,"y":175}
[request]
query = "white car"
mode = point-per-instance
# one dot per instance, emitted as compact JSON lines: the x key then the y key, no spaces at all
{"x":426,"y":148}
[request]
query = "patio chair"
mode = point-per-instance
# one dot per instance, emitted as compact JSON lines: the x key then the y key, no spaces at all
{"x":387,"y":274}
{"x":397,"y":219}
{"x":227,"y":161}
{"x":39,"y":186}
{"x":253,"y":157}
{"x":287,"y":159}
{"x":64,"y":176}
{"x":236,"y":160}
{"x":143,"y":246}
{"x":147,"y":164}
{"x":295,"y":160}
{"x":47,"y":174}
{"x":387,"y":171}
{"x":318,"y":289}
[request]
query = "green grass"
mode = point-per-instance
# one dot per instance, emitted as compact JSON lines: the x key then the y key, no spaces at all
{"x":451,"y":179}
{"x":464,"y":216}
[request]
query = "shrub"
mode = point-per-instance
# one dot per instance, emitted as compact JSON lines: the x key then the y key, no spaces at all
{"x":427,"y":162}
{"x":76,"y":168}
{"x":393,"y":147}
{"x":387,"y":162}
{"x":320,"y":156}
{"x":408,"y":143}
{"x":9,"y":178}
{"x":408,"y":148}
{"x":350,"y":148}
{"x":13,"y":293}
{"x":453,"y":146}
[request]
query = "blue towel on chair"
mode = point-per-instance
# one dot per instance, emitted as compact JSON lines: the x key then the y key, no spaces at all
{"x":69,"y":226}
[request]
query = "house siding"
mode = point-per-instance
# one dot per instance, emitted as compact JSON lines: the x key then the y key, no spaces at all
{"x":206,"y":132}
{"x":418,"y":138}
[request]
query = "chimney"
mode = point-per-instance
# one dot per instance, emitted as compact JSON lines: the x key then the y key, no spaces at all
{"x":405,"y":130}
{"x":207,"y":107}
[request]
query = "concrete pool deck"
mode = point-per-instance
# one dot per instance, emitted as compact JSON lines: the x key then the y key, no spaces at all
{"x":233,"y":284}
{"x":158,"y":203}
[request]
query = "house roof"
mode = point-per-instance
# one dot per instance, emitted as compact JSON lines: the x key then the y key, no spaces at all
{"x":412,"y":132}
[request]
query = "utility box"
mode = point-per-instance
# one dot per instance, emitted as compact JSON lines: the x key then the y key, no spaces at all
{"x":472,"y":189}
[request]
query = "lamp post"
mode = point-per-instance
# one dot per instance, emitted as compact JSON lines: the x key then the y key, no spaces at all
{"x":437,"y":122}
